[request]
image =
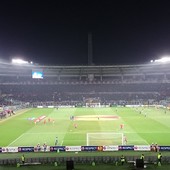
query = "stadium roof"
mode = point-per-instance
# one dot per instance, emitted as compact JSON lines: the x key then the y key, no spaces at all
{"x":7,"y":69}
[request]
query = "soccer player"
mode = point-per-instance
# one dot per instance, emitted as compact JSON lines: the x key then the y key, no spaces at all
{"x":49,"y":120}
{"x":75,"y":125}
{"x":44,"y":121}
{"x":152,"y":147}
{"x":45,"y":147}
{"x":56,"y":141}
{"x":121,"y":126}
{"x":156,"y":147}
{"x":125,"y":140}
{"x":38,"y":147}
{"x":35,"y":122}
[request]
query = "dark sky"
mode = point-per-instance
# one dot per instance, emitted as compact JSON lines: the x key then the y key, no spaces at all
{"x":54,"y":32}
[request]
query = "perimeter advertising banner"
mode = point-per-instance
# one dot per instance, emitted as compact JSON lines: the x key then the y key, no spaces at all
{"x":40,"y":107}
{"x":91,"y":148}
{"x":73,"y":148}
{"x":25,"y":149}
{"x":57,"y":148}
{"x":42,"y":149}
{"x":110,"y":148}
{"x":9,"y":149}
{"x":164,"y":148}
{"x":142,"y":148}
{"x":126,"y":147}
{"x":82,"y":148}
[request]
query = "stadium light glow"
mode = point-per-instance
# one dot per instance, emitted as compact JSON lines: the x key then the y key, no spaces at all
{"x":19,"y":61}
{"x":163,"y":60}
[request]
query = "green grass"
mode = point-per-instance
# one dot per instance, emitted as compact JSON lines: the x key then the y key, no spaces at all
{"x":152,"y":125}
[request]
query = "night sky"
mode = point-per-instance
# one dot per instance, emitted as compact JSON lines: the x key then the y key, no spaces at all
{"x":55,"y":32}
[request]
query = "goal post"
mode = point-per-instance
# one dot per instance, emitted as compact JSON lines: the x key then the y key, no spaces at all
{"x":100,"y":139}
{"x":93,"y":105}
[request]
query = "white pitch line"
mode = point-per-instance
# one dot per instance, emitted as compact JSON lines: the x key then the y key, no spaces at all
{"x":16,"y":139}
{"x":44,"y":133}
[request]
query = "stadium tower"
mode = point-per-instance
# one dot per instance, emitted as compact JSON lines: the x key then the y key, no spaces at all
{"x":90,"y":49}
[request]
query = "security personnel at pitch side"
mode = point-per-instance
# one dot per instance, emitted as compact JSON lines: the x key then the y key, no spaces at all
{"x":122,"y":159}
{"x":142,"y":157}
{"x":23,"y":159}
{"x":159,"y":159}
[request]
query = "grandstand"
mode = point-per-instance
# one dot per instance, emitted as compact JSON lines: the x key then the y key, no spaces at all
{"x":73,"y":85}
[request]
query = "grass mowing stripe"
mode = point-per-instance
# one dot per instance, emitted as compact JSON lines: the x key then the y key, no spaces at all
{"x":42,"y":130}
{"x":138,"y":128}
{"x":67,"y":124}
{"x":129,"y":117}
{"x":21,"y":124}
{"x":16,"y":139}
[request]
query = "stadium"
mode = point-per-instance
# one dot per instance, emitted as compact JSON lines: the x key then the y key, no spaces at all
{"x":85,"y":108}
{"x":85,"y":85}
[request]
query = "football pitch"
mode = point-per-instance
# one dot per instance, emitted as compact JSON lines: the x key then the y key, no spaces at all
{"x":86,"y":126}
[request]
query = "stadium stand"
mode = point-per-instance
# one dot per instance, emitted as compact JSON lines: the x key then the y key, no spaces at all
{"x":73,"y":85}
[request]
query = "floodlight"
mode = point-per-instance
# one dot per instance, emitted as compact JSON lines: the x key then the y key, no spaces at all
{"x":19,"y":61}
{"x":163,"y":60}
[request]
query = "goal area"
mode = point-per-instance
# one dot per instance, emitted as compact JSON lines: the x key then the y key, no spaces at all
{"x":100,"y":139}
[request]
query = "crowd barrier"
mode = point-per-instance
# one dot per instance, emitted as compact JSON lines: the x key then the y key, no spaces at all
{"x":80,"y":160}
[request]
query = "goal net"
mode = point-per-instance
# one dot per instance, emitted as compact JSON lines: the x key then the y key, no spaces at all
{"x":92,"y":104}
{"x":101,"y":139}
